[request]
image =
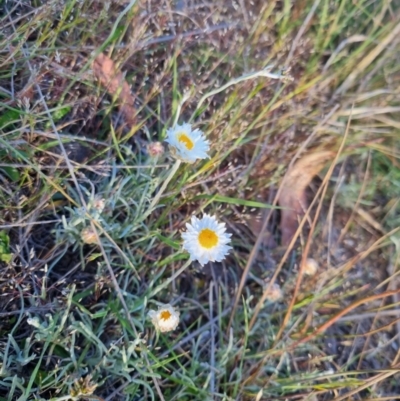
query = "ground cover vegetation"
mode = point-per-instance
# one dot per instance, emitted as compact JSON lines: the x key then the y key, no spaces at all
{"x":288,"y":176}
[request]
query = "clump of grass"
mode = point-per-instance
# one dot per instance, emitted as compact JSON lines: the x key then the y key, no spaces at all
{"x":76,"y":310}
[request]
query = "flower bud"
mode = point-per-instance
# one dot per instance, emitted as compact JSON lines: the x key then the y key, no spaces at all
{"x":155,"y":149}
{"x":88,"y":236}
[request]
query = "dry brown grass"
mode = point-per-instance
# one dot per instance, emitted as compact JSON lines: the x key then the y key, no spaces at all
{"x":65,"y":134}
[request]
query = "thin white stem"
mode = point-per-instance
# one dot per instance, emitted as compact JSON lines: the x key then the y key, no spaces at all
{"x":261,"y":73}
{"x":164,"y":186}
{"x":167,"y":282}
{"x":185,"y":97}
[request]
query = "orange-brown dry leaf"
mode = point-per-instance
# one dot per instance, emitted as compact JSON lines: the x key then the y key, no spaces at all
{"x":292,"y":197}
{"x":113,"y":81}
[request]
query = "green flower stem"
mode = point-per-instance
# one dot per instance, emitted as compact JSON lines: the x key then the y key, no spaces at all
{"x":164,"y":186}
{"x":167,"y":282}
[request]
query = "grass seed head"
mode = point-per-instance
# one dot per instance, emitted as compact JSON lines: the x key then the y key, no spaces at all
{"x":83,"y":386}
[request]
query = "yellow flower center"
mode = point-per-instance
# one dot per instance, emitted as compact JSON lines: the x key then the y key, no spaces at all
{"x":165,"y":315}
{"x":183,"y":138}
{"x":208,"y":238}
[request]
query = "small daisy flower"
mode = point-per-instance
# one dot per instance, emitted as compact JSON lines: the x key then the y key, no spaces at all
{"x":206,"y":239}
{"x":83,"y":387}
{"x":187,"y":144}
{"x":165,"y":319}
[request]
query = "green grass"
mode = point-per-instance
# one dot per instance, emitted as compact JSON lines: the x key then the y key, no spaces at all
{"x":74,"y":315}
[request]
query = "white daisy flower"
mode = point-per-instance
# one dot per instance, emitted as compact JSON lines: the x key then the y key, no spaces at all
{"x":165,"y":319}
{"x":187,"y":145}
{"x":206,"y":239}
